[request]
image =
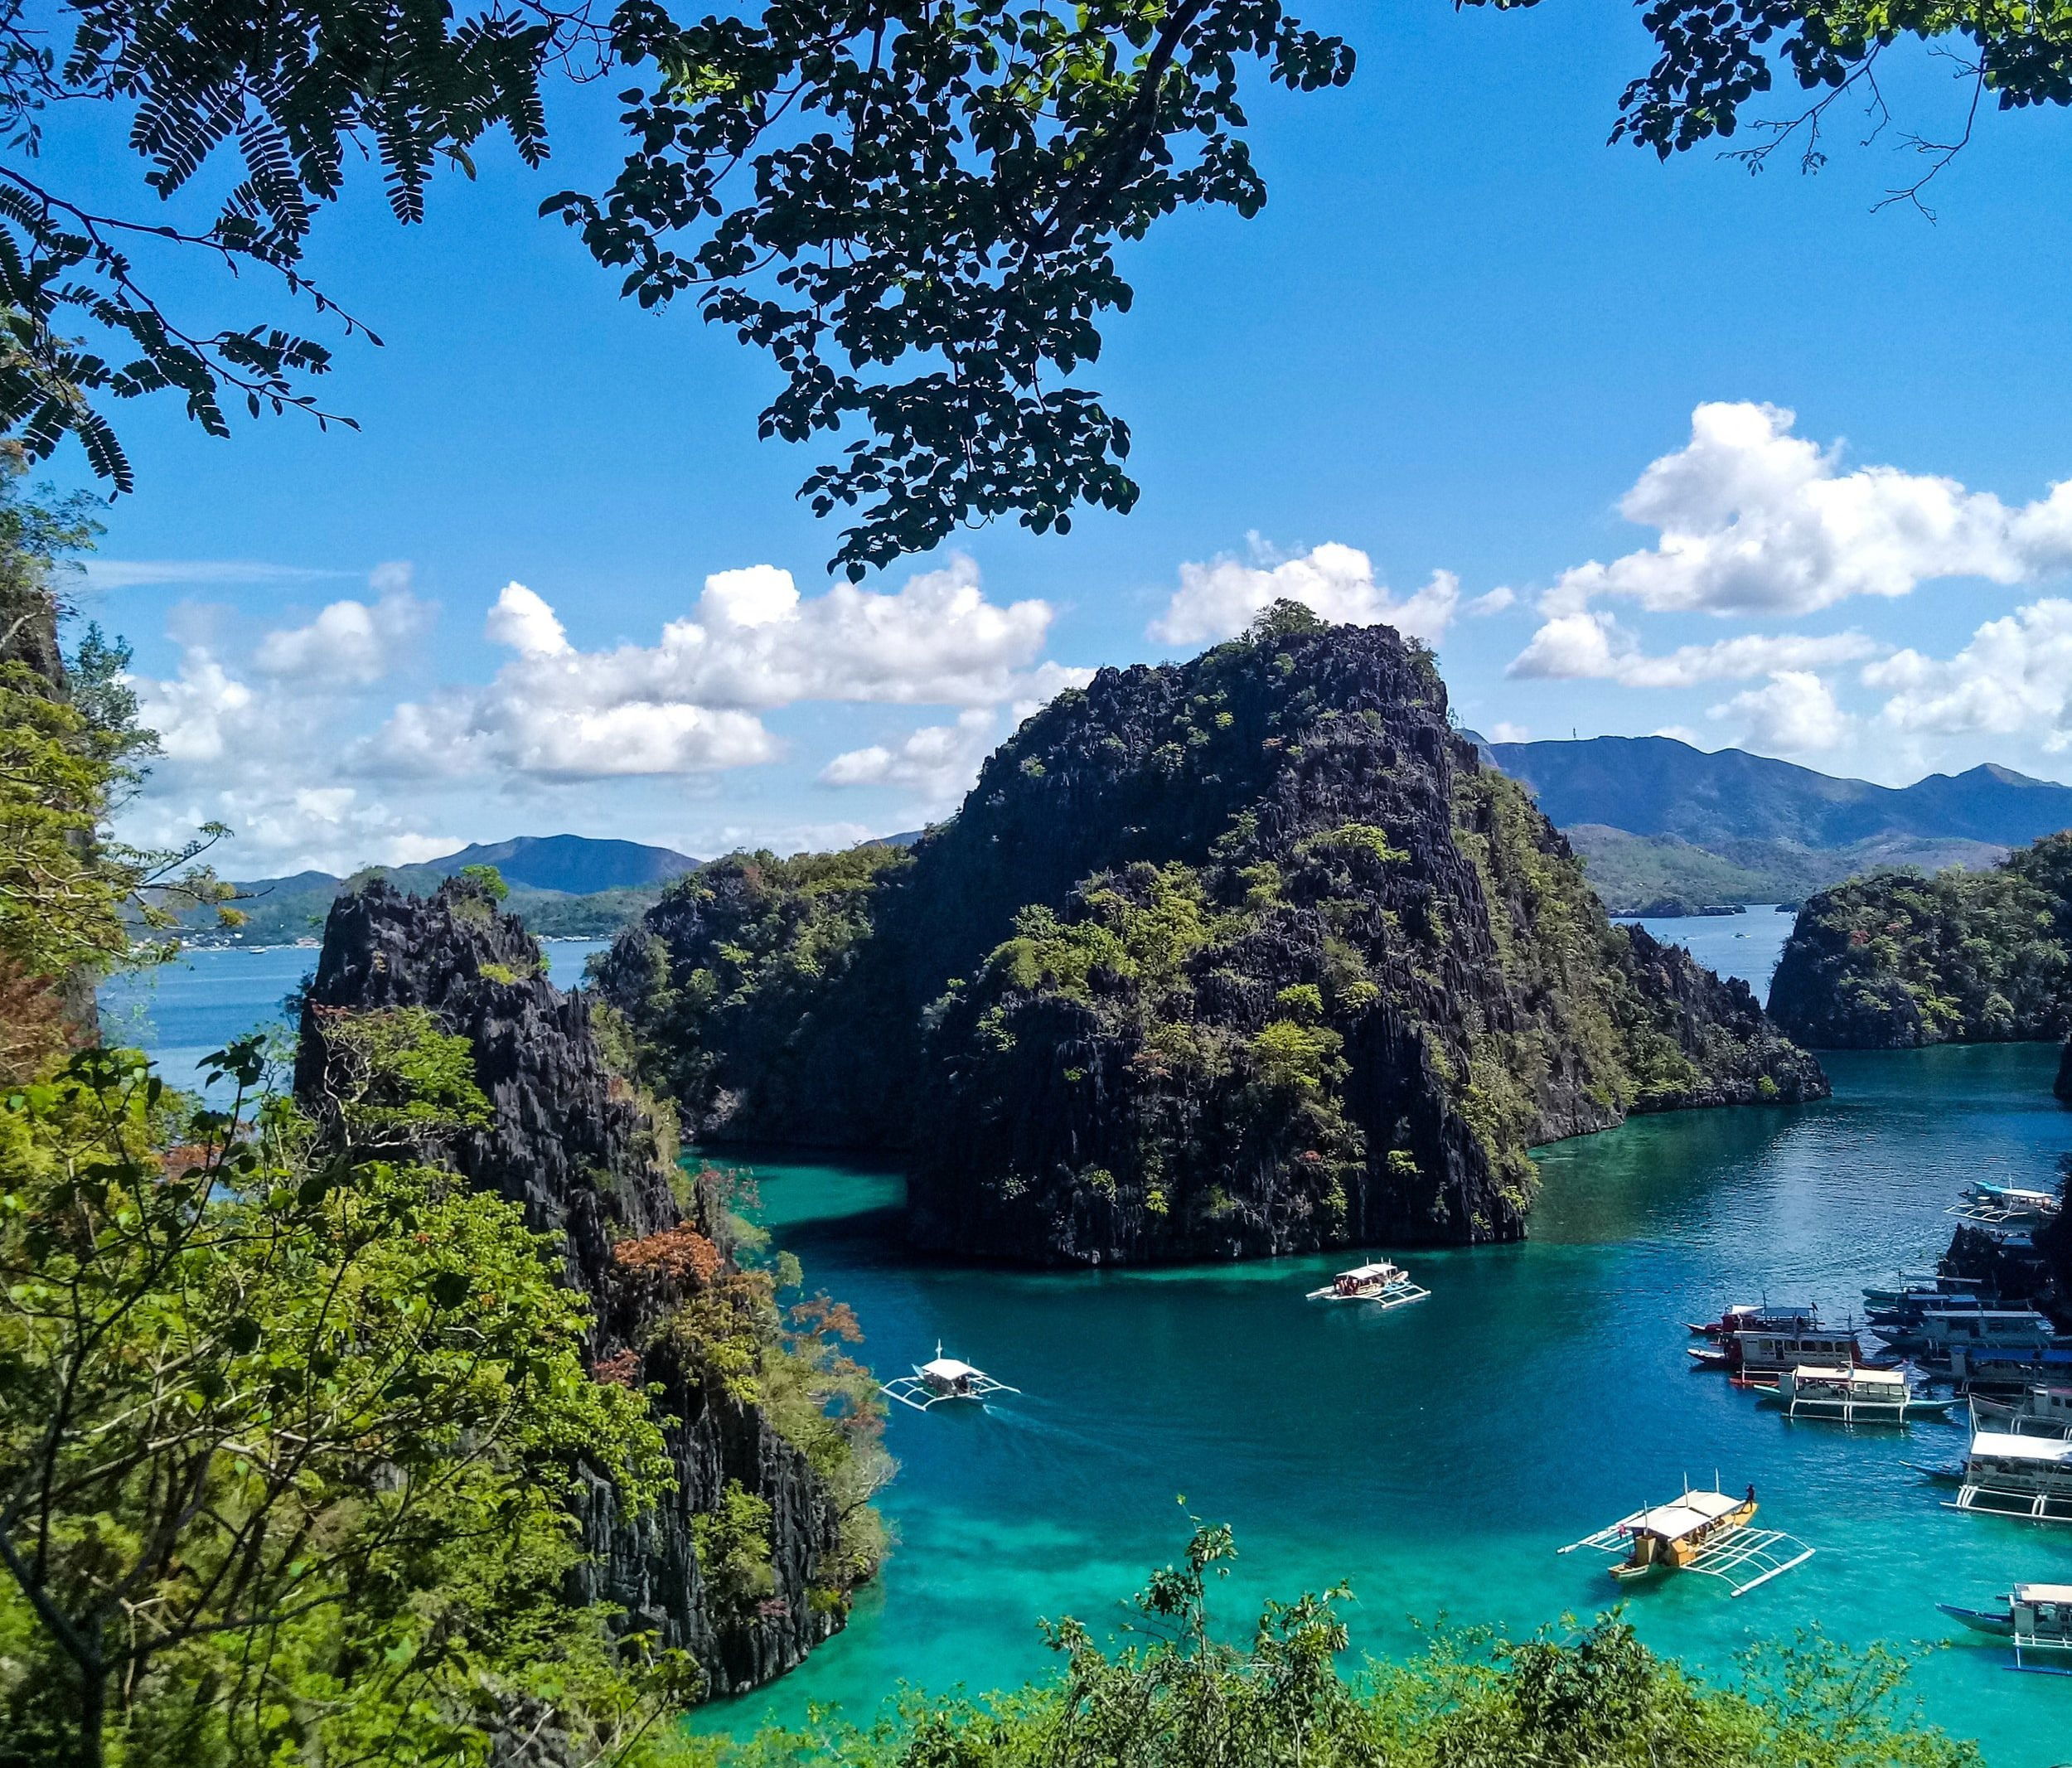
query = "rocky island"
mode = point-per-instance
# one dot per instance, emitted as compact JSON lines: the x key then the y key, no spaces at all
{"x":749,"y":1562}
{"x":1242,"y":955}
{"x":1898,"y":960}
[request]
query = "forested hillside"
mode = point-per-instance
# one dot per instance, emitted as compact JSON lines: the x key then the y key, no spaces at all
{"x":1899,"y":959}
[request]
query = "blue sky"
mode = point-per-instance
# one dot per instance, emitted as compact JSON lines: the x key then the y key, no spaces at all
{"x":1454,"y":342}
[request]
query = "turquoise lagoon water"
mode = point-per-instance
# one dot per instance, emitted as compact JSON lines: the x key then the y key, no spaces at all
{"x":1435,"y":1457}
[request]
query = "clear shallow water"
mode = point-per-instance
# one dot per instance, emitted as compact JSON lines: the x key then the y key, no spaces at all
{"x":1436,"y":1456}
{"x":184,"y":1010}
{"x":1747,"y":945}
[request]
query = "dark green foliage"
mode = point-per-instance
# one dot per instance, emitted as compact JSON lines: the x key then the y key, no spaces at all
{"x":1176,"y":1695}
{"x":915,"y":209}
{"x":1898,"y":960}
{"x":293,"y":93}
{"x":1713,"y":60}
{"x":292,"y":1439}
{"x":734,"y":975}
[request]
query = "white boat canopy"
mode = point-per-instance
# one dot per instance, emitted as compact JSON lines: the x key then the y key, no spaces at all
{"x":2004,"y":1445}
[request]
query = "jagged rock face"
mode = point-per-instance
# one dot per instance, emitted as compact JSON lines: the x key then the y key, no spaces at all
{"x":569,"y":1141}
{"x":1390,"y":980}
{"x":1242,"y":955}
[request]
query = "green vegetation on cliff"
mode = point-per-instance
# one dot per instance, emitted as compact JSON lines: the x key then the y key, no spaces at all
{"x":310,"y":1448}
{"x":1229,"y":957}
{"x":1897,"y":959}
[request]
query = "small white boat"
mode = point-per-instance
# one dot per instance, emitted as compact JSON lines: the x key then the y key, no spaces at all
{"x":1940,"y":1330}
{"x":2035,"y":1617}
{"x":942,"y":1379}
{"x":1383,"y":1282}
{"x":1849,"y":1396}
{"x":2004,"y":1208}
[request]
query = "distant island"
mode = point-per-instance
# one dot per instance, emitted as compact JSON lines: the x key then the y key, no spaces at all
{"x":1658,"y":822}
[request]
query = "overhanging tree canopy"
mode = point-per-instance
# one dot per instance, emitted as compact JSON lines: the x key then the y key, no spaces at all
{"x":912,"y":207}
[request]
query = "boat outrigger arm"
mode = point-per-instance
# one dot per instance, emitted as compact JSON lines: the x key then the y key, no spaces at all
{"x":1740,"y":1560}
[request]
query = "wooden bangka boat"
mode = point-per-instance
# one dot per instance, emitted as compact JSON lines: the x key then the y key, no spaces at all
{"x":942,"y":1379}
{"x":1384,"y":1283}
{"x":1939,"y":1327}
{"x":1756,"y":1316}
{"x":1702,"y":1532}
{"x":2007,"y":1475}
{"x":2041,"y":1411}
{"x":1909,"y":1288}
{"x":2007,"y":1368}
{"x":2035,"y":1617}
{"x":1850,"y":1396}
{"x":1768,"y":1353}
{"x":2004,"y":1208}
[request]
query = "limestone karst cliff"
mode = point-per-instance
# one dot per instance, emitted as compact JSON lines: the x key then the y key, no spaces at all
{"x":1246,"y":955}
{"x":570,"y":1139}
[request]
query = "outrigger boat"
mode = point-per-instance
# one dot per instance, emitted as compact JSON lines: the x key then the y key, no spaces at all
{"x":1911,"y":1287}
{"x":2041,"y":1411}
{"x":1850,"y":1396}
{"x":1907,"y":1315}
{"x":1704,"y":1531}
{"x":2037,"y":1617}
{"x":2004,"y":1208}
{"x":1384,"y":1283}
{"x":1769,"y":1352}
{"x":942,"y":1379}
{"x":2007,"y":1475}
{"x":1941,"y":1328}
{"x":2007,"y":1369}
{"x":1757,"y":1316}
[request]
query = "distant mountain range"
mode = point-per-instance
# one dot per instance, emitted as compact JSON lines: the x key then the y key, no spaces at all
{"x":564,"y":885}
{"x":574,"y":865}
{"x":1662,"y":823}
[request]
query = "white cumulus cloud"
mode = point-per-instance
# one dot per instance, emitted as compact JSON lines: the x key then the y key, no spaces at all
{"x":2013,"y":679}
{"x":1795,"y":714}
{"x":1221,"y":598}
{"x":1753,"y":519}
{"x":1593,"y":646}
{"x":349,"y":641}
{"x":938,"y":761}
{"x":689,"y":702}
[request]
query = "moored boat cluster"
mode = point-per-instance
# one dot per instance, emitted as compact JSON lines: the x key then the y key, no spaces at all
{"x":1941,"y":1341}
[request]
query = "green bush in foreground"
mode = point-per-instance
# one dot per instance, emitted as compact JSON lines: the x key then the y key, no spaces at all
{"x":1180,"y":1698}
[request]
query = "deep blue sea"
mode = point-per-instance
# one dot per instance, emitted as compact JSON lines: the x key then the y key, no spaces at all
{"x":1435,"y":1457}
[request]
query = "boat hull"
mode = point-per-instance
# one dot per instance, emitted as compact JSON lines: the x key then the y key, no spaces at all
{"x":1979,"y":1620}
